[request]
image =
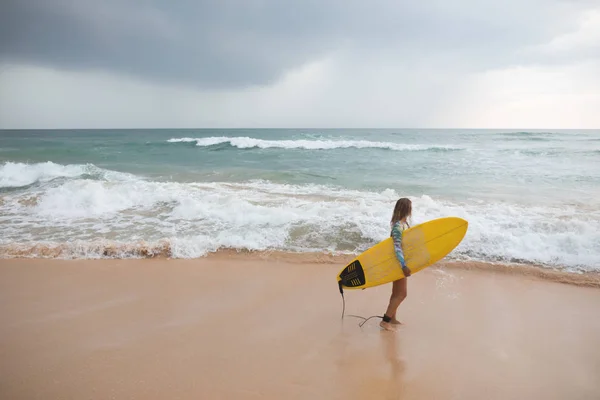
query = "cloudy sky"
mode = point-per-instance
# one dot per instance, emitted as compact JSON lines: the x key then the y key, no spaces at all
{"x":302,"y":63}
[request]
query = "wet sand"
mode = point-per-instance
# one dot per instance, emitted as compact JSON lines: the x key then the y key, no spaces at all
{"x":258,"y":327}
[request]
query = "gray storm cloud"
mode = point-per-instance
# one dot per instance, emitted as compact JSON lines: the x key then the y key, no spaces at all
{"x":230,"y":44}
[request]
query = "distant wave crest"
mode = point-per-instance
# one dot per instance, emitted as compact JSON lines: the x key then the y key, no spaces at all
{"x":525,"y":133}
{"x":249,"y":143}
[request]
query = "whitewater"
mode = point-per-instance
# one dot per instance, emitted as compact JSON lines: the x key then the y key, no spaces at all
{"x":248,"y":143}
{"x":148,"y":194}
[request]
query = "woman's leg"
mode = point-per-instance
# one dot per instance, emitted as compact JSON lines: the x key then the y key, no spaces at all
{"x":399,"y":292}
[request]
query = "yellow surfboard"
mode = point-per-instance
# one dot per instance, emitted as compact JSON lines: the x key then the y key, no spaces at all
{"x":423,"y":245}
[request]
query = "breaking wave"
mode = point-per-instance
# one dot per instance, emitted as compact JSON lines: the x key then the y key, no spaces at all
{"x":249,"y":143}
{"x":92,"y":212}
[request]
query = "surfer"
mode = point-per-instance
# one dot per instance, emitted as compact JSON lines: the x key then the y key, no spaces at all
{"x":399,"y":222}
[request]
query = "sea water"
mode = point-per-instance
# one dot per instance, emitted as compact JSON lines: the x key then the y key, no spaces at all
{"x":529,"y":196}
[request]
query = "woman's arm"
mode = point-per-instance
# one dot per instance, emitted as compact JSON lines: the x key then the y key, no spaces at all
{"x":397,"y":237}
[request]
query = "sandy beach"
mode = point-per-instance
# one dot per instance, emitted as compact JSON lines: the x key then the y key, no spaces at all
{"x":259,"y":327}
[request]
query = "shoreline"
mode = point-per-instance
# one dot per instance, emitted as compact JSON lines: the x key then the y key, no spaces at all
{"x":549,"y":273}
{"x":554,"y":274}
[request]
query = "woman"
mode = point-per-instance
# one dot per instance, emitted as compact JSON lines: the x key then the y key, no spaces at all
{"x":399,"y":222}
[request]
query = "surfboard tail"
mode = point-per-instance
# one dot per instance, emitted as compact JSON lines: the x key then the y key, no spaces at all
{"x":353,"y":276}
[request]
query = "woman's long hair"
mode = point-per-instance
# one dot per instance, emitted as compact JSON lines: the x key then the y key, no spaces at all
{"x":402,"y":210}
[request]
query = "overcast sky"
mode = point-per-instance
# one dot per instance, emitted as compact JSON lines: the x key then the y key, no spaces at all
{"x":304,"y":63}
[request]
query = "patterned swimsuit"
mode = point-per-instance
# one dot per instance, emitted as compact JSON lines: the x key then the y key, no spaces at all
{"x":396,"y":234}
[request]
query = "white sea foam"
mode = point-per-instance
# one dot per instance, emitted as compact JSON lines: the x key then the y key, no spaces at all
{"x":21,"y":174}
{"x":248,"y":143}
{"x":84,"y":216}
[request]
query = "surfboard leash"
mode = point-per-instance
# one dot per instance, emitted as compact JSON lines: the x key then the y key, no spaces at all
{"x":351,"y":315}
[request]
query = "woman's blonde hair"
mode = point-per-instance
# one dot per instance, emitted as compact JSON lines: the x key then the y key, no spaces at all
{"x":402,"y":210}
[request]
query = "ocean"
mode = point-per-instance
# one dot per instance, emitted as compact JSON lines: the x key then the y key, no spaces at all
{"x":530,"y":197}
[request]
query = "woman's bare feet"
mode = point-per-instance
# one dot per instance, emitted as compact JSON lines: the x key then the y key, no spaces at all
{"x":388,"y":326}
{"x":394,"y":321}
